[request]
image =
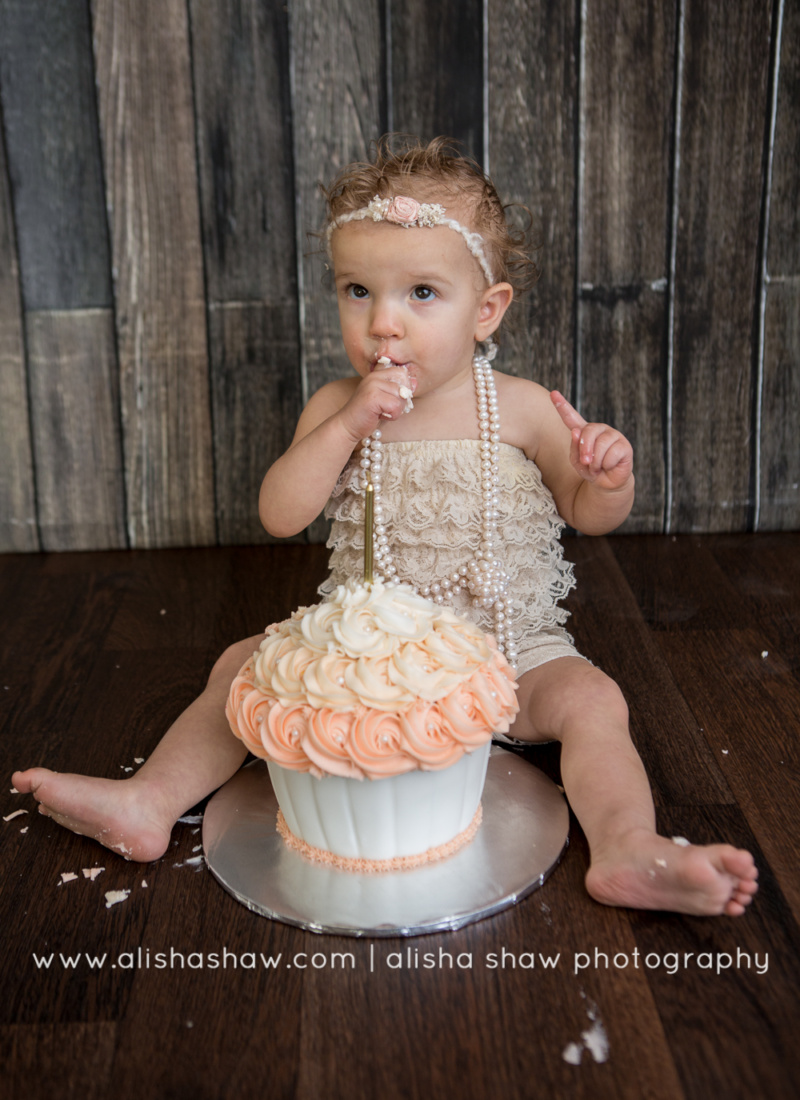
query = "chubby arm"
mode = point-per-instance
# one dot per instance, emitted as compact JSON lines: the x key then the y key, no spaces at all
{"x":589,"y":472}
{"x":335,"y":420}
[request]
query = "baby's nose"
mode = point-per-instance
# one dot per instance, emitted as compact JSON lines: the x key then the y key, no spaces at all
{"x":385,"y":321}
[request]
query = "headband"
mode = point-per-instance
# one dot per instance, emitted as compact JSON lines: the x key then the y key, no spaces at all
{"x":409,"y":213}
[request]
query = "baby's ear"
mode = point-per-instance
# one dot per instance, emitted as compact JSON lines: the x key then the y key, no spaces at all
{"x":494,"y":303}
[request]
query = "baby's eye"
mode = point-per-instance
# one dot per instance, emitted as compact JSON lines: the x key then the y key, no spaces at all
{"x":423,"y":293}
{"x":355,"y":290}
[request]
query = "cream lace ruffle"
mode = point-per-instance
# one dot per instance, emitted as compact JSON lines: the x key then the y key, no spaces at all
{"x":433,"y":487}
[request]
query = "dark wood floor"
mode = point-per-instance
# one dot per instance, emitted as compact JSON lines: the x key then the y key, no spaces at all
{"x":101,"y":651}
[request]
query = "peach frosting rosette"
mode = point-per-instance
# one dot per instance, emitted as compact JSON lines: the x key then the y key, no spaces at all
{"x":374,"y":682}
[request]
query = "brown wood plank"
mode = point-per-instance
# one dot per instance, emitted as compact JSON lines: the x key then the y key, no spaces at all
{"x":243,"y":593}
{"x":286,"y":577}
{"x":532,"y":119}
{"x":50,"y":117}
{"x":44,"y":670}
{"x":17,"y":490}
{"x":494,"y":981}
{"x":724,"y":582}
{"x":724,"y":97}
{"x":748,"y":707}
{"x":437,"y":71}
{"x":677,"y":583}
{"x":609,"y":629}
{"x":339,"y":95}
{"x":144,"y":84}
{"x":203,"y":1050}
{"x":727,"y":1030}
{"x":76,"y":436}
{"x":623,"y":236}
{"x":766,"y":573}
{"x":40,"y":1059}
{"x":135,"y":1029}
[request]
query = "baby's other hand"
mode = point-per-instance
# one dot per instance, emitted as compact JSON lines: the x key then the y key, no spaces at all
{"x":598,"y":452}
{"x":380,"y":395}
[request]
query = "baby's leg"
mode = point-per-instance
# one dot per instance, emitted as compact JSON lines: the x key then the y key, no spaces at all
{"x":604,"y":779}
{"x":135,"y":816}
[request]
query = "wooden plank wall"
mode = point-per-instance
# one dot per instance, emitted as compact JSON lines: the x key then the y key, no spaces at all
{"x":163,"y":315}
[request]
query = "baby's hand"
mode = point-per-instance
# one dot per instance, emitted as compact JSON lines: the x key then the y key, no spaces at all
{"x":599,"y":453}
{"x":384,"y":394}
{"x":406,"y":390}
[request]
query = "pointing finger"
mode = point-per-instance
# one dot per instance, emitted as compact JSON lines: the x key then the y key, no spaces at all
{"x":571,"y":417}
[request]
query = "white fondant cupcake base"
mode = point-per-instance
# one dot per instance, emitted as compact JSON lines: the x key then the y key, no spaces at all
{"x":401,"y":815}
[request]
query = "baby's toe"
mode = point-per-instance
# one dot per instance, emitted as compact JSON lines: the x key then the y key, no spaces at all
{"x":738,"y":862}
{"x":733,"y":909}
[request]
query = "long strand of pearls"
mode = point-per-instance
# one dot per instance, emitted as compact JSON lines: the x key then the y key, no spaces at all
{"x":483,"y":577}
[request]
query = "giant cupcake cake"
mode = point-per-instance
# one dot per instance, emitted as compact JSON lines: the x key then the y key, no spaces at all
{"x":375,"y":712}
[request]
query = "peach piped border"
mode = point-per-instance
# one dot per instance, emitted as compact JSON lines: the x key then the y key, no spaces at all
{"x":377,"y":866}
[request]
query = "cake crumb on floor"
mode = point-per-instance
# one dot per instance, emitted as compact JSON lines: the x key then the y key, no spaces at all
{"x":114,"y":897}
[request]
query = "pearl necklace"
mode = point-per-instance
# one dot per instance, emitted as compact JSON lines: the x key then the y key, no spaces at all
{"x":483,"y":577}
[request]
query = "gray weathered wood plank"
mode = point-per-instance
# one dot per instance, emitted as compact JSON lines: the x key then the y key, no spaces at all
{"x":437,"y":70}
{"x":76,"y":439}
{"x":144,"y":82}
{"x":724,"y":94}
{"x":532,"y":113}
{"x":339,"y":97}
{"x":783,"y":255}
{"x":17,"y":490}
{"x":624,"y":217}
{"x":339,"y":100}
{"x":220,"y":117}
{"x":623,"y":354}
{"x":50,"y":115}
{"x":241,"y":78}
{"x":255,"y":393}
{"x":780,"y":452}
{"x":240,"y":67}
{"x":780,"y":408}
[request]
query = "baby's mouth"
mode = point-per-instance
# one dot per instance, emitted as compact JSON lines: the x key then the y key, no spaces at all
{"x":384,"y":361}
{"x":406,"y":392}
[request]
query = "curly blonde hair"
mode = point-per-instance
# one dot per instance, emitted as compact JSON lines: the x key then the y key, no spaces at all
{"x":432,"y":172}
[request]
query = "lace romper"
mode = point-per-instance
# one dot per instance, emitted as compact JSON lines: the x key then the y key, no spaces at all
{"x":431,"y":495}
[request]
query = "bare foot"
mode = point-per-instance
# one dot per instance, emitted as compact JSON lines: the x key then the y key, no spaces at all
{"x":647,"y":871}
{"x":111,"y":811}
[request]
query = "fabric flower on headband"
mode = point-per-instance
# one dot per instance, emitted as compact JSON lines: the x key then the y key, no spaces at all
{"x":402,"y":210}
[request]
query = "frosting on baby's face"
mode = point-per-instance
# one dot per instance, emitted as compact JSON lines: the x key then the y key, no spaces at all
{"x":375,"y":681}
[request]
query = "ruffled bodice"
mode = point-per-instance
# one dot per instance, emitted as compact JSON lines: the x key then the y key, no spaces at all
{"x":431,"y":495}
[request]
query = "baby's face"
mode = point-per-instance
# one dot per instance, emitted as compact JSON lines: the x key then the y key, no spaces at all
{"x":412,"y":295}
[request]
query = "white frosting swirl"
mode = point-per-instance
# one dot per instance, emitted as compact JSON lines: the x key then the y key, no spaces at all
{"x":374,"y":681}
{"x":372,"y":645}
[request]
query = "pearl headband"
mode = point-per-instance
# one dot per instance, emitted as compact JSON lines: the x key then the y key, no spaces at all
{"x":409,"y":213}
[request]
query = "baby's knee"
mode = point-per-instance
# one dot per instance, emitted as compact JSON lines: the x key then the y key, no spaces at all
{"x":599,"y":694}
{"x":235,"y":656}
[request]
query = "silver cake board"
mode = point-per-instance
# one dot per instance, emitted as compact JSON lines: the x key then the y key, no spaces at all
{"x":524,"y":833}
